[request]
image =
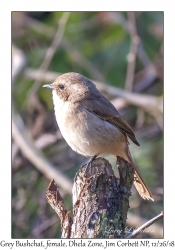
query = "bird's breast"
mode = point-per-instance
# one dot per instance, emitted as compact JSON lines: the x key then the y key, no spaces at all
{"x":85,"y":132}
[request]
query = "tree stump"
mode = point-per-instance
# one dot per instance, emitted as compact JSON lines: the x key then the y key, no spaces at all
{"x":100,"y":201}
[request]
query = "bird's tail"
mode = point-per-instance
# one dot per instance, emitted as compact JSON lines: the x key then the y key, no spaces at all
{"x":140,"y":185}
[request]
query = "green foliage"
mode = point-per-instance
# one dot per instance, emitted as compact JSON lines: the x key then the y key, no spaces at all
{"x":104,"y":43}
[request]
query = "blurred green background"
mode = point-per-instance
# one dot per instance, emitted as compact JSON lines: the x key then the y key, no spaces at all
{"x":119,"y":49}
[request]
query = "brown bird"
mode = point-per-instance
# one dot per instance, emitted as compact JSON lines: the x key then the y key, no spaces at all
{"x":90,"y":124}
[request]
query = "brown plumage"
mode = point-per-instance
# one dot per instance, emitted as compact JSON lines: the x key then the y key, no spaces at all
{"x":90,"y":124}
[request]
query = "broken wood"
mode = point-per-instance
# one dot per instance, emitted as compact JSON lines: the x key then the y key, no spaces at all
{"x":100,"y":201}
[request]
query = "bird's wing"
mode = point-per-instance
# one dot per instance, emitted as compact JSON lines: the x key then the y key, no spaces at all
{"x":102,"y":108}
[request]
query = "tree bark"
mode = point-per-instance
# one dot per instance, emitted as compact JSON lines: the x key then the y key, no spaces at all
{"x":100,"y":201}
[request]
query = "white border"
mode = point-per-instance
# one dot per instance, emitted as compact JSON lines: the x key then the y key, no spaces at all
{"x":5,"y":93}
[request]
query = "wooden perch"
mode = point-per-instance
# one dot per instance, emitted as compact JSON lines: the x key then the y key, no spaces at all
{"x":56,"y":201}
{"x":100,"y":201}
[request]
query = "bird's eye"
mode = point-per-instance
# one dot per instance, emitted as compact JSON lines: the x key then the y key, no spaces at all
{"x":61,"y":86}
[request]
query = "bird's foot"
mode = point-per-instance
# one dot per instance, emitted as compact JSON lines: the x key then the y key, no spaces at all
{"x":89,"y":164}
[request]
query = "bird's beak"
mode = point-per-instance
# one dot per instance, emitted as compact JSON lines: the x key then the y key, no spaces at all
{"x":49,"y":86}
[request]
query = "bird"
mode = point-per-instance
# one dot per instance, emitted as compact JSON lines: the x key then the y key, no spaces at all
{"x":91,"y":125}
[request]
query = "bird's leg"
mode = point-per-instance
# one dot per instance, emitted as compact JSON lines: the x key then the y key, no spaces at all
{"x":89,"y":164}
{"x":92,"y":159}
